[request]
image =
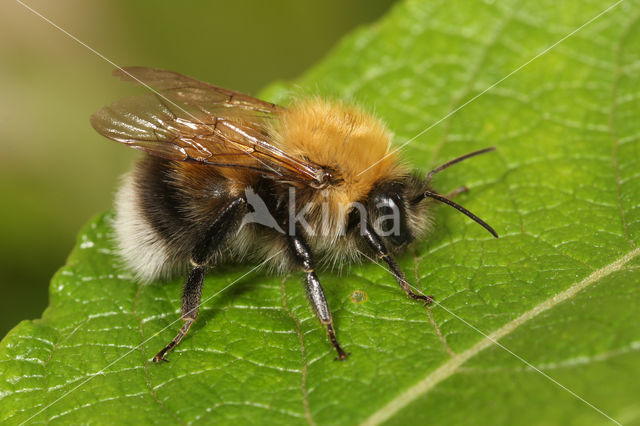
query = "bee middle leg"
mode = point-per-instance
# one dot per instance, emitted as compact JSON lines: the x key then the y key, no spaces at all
{"x":304,"y":257}
{"x":375,"y":242}
{"x":222,"y":226}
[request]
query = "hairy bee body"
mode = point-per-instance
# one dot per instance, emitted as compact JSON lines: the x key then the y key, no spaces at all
{"x":231,"y":178}
{"x":164,"y":206}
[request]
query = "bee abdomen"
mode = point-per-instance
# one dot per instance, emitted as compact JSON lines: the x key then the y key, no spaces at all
{"x":139,"y":245}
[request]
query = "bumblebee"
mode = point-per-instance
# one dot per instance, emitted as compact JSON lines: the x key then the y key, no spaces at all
{"x":230,"y":178}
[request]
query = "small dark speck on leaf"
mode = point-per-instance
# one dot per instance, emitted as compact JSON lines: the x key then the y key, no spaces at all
{"x":358,"y":296}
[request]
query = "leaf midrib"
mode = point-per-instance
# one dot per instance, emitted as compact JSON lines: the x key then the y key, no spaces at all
{"x":453,"y":364}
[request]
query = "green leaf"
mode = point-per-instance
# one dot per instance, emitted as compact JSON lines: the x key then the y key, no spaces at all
{"x":559,"y":289}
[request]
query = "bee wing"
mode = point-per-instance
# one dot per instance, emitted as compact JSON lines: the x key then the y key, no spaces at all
{"x":189,"y":120}
{"x":179,"y":87}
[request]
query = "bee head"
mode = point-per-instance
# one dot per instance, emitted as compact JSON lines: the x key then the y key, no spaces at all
{"x":398,"y":209}
{"x":394,"y":215}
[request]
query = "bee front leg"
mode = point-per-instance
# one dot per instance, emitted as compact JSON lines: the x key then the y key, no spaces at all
{"x":304,"y":257}
{"x":375,"y":242}
{"x":456,"y":192}
{"x":226,"y":222}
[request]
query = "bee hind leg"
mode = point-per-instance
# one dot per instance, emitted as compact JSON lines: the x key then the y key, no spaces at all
{"x":190,"y":307}
{"x":225,"y":223}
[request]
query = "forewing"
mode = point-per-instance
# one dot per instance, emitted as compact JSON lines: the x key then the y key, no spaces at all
{"x":188,"y":120}
{"x":186,"y":89}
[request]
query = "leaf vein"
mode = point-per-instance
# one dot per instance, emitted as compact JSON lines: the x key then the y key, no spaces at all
{"x":452,"y":366}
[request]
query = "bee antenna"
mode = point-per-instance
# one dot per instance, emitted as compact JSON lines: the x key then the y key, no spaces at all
{"x":457,"y":160}
{"x":458,"y":207}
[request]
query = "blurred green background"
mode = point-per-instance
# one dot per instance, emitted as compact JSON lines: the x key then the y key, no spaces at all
{"x":56,"y":171}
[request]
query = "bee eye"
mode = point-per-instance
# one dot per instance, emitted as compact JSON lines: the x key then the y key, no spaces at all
{"x":391,"y":220}
{"x":389,"y":215}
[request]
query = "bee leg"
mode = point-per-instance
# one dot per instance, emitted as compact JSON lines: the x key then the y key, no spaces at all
{"x":226,"y":222}
{"x":456,"y":192}
{"x":304,"y":257}
{"x":190,"y":306}
{"x":375,"y":242}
